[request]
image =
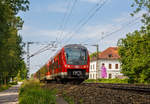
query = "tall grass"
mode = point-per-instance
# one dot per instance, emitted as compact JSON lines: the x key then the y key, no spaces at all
{"x":32,"y":93}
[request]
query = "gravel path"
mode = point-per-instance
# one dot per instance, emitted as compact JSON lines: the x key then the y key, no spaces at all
{"x":10,"y":96}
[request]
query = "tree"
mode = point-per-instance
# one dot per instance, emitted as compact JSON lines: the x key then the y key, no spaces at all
{"x":10,"y":41}
{"x":134,"y":51}
{"x":22,"y":72}
{"x":94,"y":55}
{"x":142,"y":5}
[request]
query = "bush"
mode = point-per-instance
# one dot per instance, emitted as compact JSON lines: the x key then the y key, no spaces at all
{"x":4,"y":87}
{"x":32,"y":93}
{"x":13,"y":83}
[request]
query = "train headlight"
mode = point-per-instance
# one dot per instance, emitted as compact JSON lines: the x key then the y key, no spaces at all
{"x":65,"y":65}
{"x":68,"y":66}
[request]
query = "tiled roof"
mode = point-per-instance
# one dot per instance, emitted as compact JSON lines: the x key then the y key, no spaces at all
{"x":109,"y":53}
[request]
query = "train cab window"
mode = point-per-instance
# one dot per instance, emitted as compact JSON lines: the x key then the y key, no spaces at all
{"x":76,"y":56}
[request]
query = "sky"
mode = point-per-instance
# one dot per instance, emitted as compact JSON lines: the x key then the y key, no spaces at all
{"x":86,"y":22}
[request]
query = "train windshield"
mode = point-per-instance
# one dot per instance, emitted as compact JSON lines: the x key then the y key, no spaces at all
{"x":76,"y":56}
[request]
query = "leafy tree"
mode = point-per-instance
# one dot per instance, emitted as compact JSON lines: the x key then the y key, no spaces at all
{"x":22,"y":74}
{"x":135,"y":55}
{"x":142,"y":5}
{"x":94,"y":55}
{"x":10,"y":42}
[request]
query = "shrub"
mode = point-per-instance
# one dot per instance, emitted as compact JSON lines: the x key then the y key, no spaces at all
{"x":4,"y":87}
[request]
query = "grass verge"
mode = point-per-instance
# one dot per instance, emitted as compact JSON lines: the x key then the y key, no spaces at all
{"x":107,"y":80}
{"x":68,"y":99}
{"x":32,"y":93}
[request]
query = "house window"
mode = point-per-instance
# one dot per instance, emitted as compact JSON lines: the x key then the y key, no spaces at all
{"x":93,"y":66}
{"x":110,"y":76}
{"x":110,"y":66}
{"x":116,"y":66}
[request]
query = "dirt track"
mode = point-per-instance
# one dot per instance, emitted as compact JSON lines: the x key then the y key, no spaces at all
{"x":10,"y":96}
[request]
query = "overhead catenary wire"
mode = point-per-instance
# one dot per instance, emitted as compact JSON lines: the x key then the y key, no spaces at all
{"x":82,"y":19}
{"x":109,"y":34}
{"x":47,"y":47}
{"x":61,"y":27}
{"x":63,"y":19}
{"x":99,"y":5}
{"x":66,"y":18}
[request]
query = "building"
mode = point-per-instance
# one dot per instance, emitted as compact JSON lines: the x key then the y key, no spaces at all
{"x":110,"y":59}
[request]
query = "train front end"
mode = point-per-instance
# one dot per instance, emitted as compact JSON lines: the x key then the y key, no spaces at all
{"x":76,"y":62}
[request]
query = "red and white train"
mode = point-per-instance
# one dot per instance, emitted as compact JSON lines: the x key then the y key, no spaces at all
{"x":71,"y":63}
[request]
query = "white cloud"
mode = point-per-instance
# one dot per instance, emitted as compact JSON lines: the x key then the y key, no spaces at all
{"x":92,"y":1}
{"x":95,"y":1}
{"x":117,"y":29}
{"x":125,"y":17}
{"x":33,"y":33}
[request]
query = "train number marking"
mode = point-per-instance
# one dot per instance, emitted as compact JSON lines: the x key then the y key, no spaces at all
{"x":77,"y":73}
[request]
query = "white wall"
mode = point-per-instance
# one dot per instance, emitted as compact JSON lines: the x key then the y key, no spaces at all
{"x":92,"y":74}
{"x":113,"y":71}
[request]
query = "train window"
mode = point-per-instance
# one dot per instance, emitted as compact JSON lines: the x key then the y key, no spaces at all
{"x":60,"y":57}
{"x":76,"y":56}
{"x":54,"y":65}
{"x":57,"y":64}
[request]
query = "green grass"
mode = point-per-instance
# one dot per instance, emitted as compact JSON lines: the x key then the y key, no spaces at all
{"x":107,"y":80}
{"x":68,"y":99}
{"x":32,"y":93}
{"x":4,"y":87}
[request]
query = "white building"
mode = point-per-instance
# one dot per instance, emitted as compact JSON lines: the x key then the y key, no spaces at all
{"x":110,"y":58}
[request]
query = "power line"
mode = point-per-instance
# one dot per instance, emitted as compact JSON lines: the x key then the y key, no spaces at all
{"x":87,"y":19}
{"x":67,"y":18}
{"x":63,"y":20}
{"x":109,"y":34}
{"x":82,"y":19}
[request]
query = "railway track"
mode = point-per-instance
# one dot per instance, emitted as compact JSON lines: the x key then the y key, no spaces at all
{"x":129,"y":87}
{"x":104,"y":93}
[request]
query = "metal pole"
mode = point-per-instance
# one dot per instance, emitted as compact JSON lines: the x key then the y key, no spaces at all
{"x":28,"y":59}
{"x":97,"y":66}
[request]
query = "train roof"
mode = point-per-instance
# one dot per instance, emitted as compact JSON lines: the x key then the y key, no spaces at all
{"x":75,"y":45}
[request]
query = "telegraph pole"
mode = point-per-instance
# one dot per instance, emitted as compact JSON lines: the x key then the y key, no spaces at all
{"x":28,"y":57}
{"x":97,"y":57}
{"x":97,"y":66}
